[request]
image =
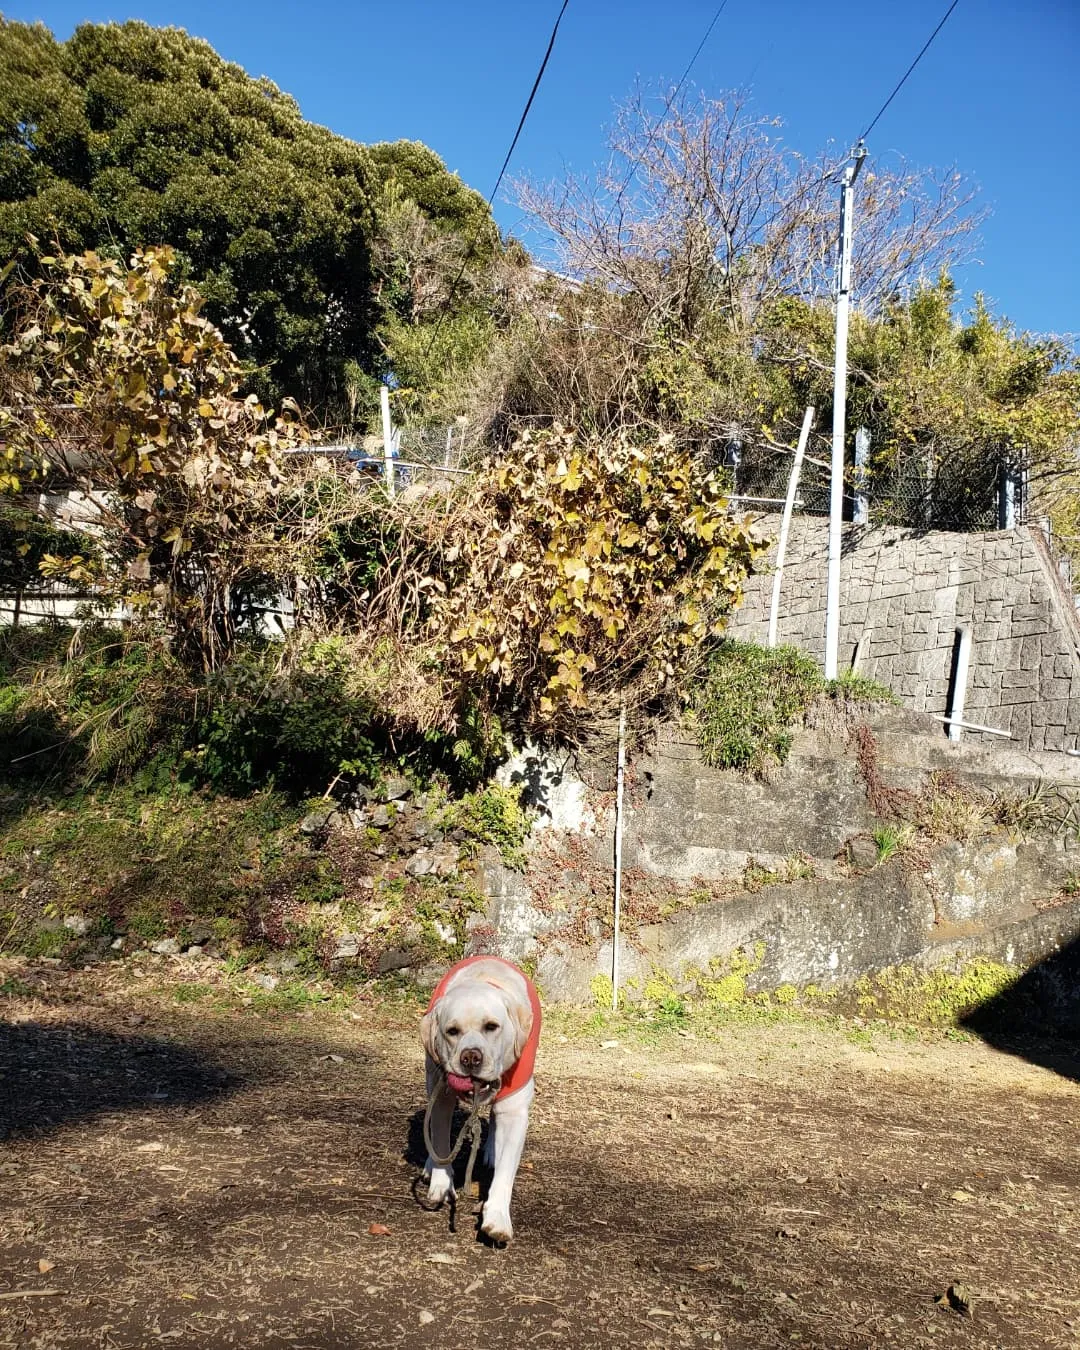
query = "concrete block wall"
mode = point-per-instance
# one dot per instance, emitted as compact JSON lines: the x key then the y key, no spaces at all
{"x":910,"y":592}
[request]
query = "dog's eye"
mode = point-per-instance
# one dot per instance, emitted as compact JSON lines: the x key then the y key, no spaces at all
{"x":453,"y":1031}
{"x":491,"y":1026}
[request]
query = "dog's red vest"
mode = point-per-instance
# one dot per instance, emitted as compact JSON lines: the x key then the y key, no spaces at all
{"x":518,"y":1074}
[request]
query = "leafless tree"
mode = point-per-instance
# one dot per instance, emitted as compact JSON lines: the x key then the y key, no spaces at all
{"x":703,"y":205}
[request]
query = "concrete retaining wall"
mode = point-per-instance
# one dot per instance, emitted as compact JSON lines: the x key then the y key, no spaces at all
{"x":998,"y":895}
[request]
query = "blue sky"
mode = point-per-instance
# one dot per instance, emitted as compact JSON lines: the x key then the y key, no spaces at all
{"x":995,"y":95}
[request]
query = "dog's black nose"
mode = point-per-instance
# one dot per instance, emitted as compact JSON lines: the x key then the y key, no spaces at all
{"x":471,"y":1060}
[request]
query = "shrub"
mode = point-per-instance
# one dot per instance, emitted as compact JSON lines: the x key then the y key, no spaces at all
{"x":750,"y":698}
{"x":563,"y":579}
{"x":94,"y":701}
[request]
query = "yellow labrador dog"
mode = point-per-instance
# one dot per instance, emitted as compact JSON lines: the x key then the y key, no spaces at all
{"x":480,"y":1032}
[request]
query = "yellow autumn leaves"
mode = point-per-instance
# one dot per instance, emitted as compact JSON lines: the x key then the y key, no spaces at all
{"x":587,"y":562}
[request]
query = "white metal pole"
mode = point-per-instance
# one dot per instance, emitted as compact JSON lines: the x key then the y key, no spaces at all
{"x":1008,"y":513}
{"x":963,"y":660}
{"x":619,"y":776}
{"x":387,"y":439}
{"x":836,"y":493}
{"x":785,"y":523}
{"x":861,"y":514}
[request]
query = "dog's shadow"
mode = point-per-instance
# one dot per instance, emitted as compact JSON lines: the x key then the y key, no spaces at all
{"x":415,"y":1154}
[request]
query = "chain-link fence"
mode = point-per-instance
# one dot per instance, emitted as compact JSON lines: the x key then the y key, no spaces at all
{"x":915,"y":493}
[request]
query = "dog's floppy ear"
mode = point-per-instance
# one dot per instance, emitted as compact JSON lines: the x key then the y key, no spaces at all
{"x":428,"y":1027}
{"x":521,"y":1015}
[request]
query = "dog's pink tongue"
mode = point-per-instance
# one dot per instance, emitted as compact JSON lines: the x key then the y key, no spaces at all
{"x":460,"y":1085}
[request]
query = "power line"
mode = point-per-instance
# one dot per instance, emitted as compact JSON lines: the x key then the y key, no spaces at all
{"x":825,"y":177}
{"x":668,"y":105}
{"x":903,"y":80}
{"x":529,"y":103}
{"x":498,"y":181}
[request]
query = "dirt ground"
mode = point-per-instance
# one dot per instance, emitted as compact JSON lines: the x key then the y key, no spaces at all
{"x":208,"y":1175}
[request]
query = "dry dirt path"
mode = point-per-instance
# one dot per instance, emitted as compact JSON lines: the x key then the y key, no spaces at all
{"x":207,"y":1176}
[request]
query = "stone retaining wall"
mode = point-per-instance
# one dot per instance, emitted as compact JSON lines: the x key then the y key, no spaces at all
{"x":907,"y":593}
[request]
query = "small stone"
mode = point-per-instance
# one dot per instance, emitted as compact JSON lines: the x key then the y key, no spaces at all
{"x":397,"y":958}
{"x":395,"y":788}
{"x":194,"y":950}
{"x":421,"y":863}
{"x":443,"y":931}
{"x":863,"y":852}
{"x":283,"y":962}
{"x":348,"y":946}
{"x":382,"y":817}
{"x":365,"y":883}
{"x":166,"y":947}
{"x":318,"y":820}
{"x":265,"y":981}
{"x":117,"y":944}
{"x":77,"y":924}
{"x":357,"y":819}
{"x":444,"y":859}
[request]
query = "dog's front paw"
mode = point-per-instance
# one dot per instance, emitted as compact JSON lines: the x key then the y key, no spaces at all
{"x":440,"y":1186}
{"x":496,"y":1223}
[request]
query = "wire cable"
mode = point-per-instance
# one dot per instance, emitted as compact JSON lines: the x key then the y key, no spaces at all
{"x":904,"y":77}
{"x":668,"y":105}
{"x":529,"y":103}
{"x":498,"y":181}
{"x":829,"y":174}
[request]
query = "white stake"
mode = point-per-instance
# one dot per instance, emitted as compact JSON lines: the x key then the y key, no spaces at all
{"x":387,"y":439}
{"x":785,"y":523}
{"x":963,"y":661}
{"x":619,"y":775}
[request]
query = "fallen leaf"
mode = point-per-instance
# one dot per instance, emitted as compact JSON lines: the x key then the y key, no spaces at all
{"x":659,"y":1312}
{"x":962,"y":1196}
{"x":45,"y":1266}
{"x":441,"y":1259}
{"x":150,"y":1148}
{"x":425,"y":1318}
{"x":608,"y":1045}
{"x":703,"y":1267}
{"x":379,"y":1230}
{"x":472,"y":1288}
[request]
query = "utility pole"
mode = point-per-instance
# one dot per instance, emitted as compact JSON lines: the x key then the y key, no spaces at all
{"x":848,"y":175}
